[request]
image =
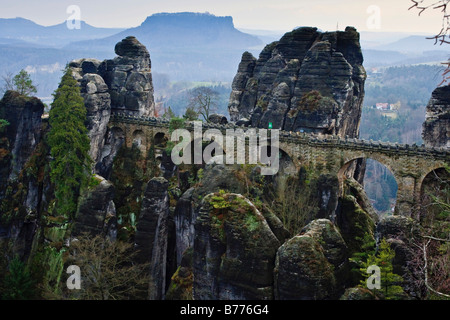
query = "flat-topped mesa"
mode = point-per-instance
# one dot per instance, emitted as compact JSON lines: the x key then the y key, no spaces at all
{"x":436,"y":128}
{"x":307,"y":81}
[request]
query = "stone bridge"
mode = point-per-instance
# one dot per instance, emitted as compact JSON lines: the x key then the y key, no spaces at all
{"x":410,"y":164}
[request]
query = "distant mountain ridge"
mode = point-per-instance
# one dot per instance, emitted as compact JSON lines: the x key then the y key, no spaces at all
{"x":182,"y":30}
{"x":414,"y":43}
{"x":51,"y":36}
{"x":186,"y":45}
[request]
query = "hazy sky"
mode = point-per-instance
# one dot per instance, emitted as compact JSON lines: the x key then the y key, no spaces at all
{"x":381,"y":15}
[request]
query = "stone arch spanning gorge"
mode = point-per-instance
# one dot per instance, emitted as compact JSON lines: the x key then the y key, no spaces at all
{"x":124,"y":86}
{"x":120,"y":93}
{"x":327,"y":154}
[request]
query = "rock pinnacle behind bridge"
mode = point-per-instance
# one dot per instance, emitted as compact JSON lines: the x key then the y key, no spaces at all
{"x":123,"y":84}
{"x":436,"y":128}
{"x":128,"y":78}
{"x":308,"y":81}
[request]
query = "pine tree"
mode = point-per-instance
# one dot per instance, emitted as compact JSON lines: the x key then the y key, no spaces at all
{"x":18,"y":283}
{"x":169,"y":114}
{"x":69,"y":145}
{"x":190,"y":114}
{"x":367,"y":249}
{"x":3,"y":124}
{"x":390,"y":281}
{"x":23,"y":83}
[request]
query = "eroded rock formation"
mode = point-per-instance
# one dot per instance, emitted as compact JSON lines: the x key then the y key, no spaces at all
{"x":97,"y":212}
{"x":123,"y":84}
{"x":21,"y":172}
{"x":234,"y":250}
{"x":129,"y":78}
{"x":23,"y":132}
{"x":312,"y":265}
{"x":152,"y":233}
{"x":307,"y":81}
{"x":97,"y":101}
{"x":436,"y":128}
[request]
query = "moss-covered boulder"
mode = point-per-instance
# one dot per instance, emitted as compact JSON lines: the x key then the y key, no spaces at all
{"x":234,"y":250}
{"x":353,"y":187}
{"x":219,"y":177}
{"x":400,"y":231}
{"x":302,"y":272}
{"x":354,"y":222}
{"x":181,"y":283}
{"x":334,"y":247}
{"x":96,"y":212}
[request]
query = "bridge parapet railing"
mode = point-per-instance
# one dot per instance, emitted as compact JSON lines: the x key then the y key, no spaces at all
{"x":323,"y":140}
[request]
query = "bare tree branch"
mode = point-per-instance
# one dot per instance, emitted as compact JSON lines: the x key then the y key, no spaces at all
{"x":437,"y":239}
{"x":424,"y":250}
{"x":443,"y":37}
{"x":204,"y":101}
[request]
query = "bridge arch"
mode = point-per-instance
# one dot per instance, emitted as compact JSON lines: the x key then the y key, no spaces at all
{"x":436,"y":171}
{"x":115,"y":137}
{"x":355,"y":155}
{"x":410,"y":164}
{"x":433,"y":186}
{"x":160,"y":140}
{"x":139,"y":139}
{"x":380,"y":182}
{"x":286,"y":163}
{"x":117,"y":132}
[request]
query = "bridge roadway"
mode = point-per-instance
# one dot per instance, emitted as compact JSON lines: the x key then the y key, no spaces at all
{"x":410,"y":164}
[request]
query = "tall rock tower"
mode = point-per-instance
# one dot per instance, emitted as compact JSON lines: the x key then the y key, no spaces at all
{"x":129,"y":79}
{"x":123,"y":84}
{"x":308,"y":81}
{"x":436,"y":128}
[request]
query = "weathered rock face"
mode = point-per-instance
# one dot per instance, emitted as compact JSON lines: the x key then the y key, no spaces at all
{"x":307,"y":80}
{"x":113,"y":141}
{"x":129,"y":78}
{"x":355,"y":216}
{"x":436,"y":128}
{"x":123,"y":84}
{"x":234,"y":250}
{"x":96,"y":212}
{"x":184,"y":217}
{"x":23,"y":132}
{"x":398,"y":231}
{"x":97,"y":101}
{"x":22,"y":158}
{"x":312,"y":265}
{"x":218,"y":118}
{"x":334,"y":247}
{"x":302,"y":271}
{"x":152,"y":233}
